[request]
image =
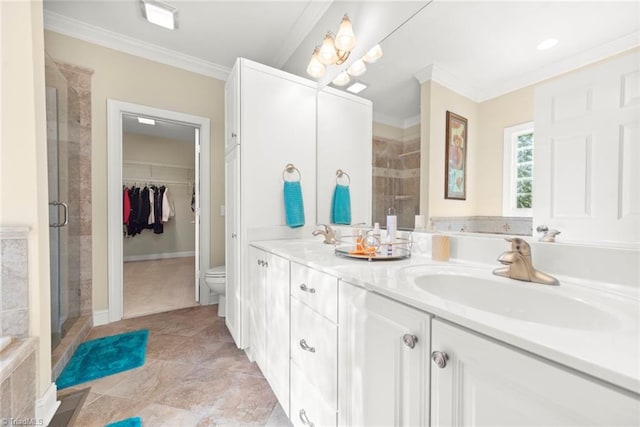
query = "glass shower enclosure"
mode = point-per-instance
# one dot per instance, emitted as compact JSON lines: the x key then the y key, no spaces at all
{"x":64,"y":187}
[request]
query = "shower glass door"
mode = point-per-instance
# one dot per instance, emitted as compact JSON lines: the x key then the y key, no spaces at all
{"x":64,"y":244}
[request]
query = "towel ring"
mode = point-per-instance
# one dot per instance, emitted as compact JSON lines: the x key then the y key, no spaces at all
{"x":291,"y":169}
{"x":340,"y":173}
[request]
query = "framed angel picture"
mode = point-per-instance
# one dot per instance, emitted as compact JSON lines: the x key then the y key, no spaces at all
{"x":455,"y":176}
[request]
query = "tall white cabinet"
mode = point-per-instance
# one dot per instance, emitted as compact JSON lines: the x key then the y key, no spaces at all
{"x":269,"y":123}
{"x":272,"y":119}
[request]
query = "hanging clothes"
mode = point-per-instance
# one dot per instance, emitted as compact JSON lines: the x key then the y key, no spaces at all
{"x":126,"y":206}
{"x":158,"y":227}
{"x":152,"y":217}
{"x":168,"y":209}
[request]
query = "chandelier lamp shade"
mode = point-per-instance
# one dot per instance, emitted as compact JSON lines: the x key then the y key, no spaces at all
{"x":335,"y":50}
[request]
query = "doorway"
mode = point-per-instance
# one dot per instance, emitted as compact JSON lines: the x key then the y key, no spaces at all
{"x":159,"y":215}
{"x":155,"y":263}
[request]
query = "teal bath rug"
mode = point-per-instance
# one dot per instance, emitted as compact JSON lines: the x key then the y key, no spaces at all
{"x":105,"y":356}
{"x":129,"y":422}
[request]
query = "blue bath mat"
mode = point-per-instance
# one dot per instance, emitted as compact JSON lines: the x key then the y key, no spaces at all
{"x":105,"y":356}
{"x":129,"y":422}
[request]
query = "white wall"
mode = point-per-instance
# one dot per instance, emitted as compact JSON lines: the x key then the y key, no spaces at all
{"x":23,"y":160}
{"x":132,"y":79}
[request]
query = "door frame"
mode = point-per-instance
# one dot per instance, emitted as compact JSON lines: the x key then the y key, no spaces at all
{"x":115,"y":110}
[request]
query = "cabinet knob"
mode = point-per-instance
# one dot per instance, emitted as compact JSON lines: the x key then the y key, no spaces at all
{"x":304,"y":288}
{"x":305,"y":420}
{"x":234,"y":235}
{"x":265,"y":263}
{"x":307,"y":347}
{"x":259,"y":262}
{"x":410,"y":340}
{"x":440,"y":359}
{"x":233,"y":135}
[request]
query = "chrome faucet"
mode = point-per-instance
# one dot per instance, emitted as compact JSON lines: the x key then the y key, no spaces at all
{"x":328,"y":233}
{"x":520,"y":266}
{"x":549,"y":235}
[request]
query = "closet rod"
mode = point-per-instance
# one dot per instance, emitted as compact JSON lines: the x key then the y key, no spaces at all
{"x":163,"y":165}
{"x":156,"y":181}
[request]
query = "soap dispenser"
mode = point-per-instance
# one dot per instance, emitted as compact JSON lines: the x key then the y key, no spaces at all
{"x":392,"y":227}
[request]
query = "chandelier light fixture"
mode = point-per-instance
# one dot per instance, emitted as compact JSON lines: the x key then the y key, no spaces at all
{"x":335,"y":50}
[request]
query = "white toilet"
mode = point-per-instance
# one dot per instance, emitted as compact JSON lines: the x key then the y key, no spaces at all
{"x":216,"y":279}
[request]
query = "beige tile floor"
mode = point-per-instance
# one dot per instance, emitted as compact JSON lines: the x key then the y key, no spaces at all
{"x":194,"y":375}
{"x":158,"y":285}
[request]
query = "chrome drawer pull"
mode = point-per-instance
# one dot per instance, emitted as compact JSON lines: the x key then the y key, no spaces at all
{"x":303,"y":287}
{"x":305,"y":419}
{"x":307,"y":347}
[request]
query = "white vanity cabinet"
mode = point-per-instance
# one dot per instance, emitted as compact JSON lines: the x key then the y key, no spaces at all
{"x":485,"y":382}
{"x":314,"y":347}
{"x":269,"y":332}
{"x":383,"y":361}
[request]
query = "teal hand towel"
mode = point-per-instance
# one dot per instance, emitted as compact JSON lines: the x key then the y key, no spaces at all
{"x":341,"y":205}
{"x":293,"y":206}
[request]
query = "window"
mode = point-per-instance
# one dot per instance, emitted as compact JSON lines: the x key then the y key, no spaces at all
{"x":517,"y":195}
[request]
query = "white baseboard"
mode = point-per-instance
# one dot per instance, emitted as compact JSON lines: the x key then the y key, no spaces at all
{"x":100,"y":317}
{"x":166,"y":255}
{"x":47,"y":405}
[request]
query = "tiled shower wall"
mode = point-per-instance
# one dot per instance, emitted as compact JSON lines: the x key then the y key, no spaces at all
{"x":79,"y":80}
{"x":396,"y":179}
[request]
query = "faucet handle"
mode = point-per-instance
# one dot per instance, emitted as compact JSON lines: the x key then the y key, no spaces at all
{"x":519,"y":245}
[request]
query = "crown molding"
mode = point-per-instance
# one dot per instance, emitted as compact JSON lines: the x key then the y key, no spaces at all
{"x":396,"y":122}
{"x":563,"y":66}
{"x":445,"y":78}
{"x":96,"y":35}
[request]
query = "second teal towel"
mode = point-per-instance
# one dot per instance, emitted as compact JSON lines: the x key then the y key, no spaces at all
{"x":341,"y":205}
{"x":293,"y":206}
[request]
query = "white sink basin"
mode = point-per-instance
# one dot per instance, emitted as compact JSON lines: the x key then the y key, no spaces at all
{"x":530,"y":302}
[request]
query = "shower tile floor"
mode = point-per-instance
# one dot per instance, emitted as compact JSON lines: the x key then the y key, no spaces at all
{"x":194,"y":375}
{"x":159,"y":285}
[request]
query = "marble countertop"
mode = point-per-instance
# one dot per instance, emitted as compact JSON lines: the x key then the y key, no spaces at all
{"x":608,"y":349}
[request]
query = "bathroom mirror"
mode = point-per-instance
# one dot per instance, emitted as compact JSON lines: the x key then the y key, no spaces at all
{"x":480,"y":60}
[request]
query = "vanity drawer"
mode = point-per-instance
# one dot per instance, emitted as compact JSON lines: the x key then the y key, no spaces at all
{"x":308,"y":406}
{"x":314,"y":349}
{"x":316,"y":289}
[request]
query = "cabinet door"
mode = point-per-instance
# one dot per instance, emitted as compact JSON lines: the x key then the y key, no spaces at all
{"x":257,"y":298}
{"x":488,"y":383}
{"x":277,"y":327}
{"x":278,"y":127}
{"x":345,"y":141}
{"x":231,"y":110}
{"x":232,"y":242}
{"x":382,"y":379}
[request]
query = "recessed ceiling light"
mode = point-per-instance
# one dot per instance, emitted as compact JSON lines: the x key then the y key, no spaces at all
{"x":159,"y":13}
{"x":547,"y":44}
{"x":357,"y":87}
{"x":146,"y":121}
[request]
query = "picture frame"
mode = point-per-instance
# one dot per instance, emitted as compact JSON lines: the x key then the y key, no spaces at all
{"x":455,"y":166}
